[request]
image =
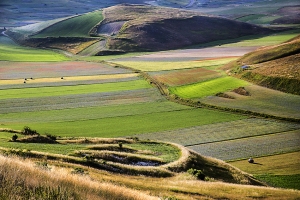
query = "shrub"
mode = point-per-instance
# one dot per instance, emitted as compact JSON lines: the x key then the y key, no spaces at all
{"x":28,"y":131}
{"x":78,"y":170}
{"x":14,"y":137}
{"x":52,"y":137}
{"x":120,"y":145}
{"x":196,"y":173}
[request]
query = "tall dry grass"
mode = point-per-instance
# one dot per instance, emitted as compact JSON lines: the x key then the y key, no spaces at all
{"x":22,"y":179}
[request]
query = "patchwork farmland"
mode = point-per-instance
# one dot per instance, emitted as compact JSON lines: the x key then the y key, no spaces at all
{"x":107,"y":112}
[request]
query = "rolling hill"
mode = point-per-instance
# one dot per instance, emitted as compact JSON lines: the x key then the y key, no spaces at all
{"x":130,"y":28}
{"x":275,"y":67}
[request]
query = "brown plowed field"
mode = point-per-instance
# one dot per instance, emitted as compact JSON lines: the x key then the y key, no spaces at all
{"x":182,"y":77}
{"x":192,"y":54}
{"x":17,"y":70}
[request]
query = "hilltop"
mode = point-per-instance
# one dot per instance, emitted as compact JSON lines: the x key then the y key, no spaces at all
{"x":131,"y":28}
{"x":274,"y":66}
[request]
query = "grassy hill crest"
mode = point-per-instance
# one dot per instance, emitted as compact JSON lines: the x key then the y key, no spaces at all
{"x":274,"y":67}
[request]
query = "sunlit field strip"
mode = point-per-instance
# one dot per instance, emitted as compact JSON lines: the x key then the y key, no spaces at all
{"x":261,"y":100}
{"x":267,"y":40}
{"x":68,"y":90}
{"x":272,"y":164}
{"x":160,"y":66}
{"x":89,"y":113}
{"x":129,"y":125}
{"x":24,"y":54}
{"x":208,"y":88}
{"x":254,"y":146}
{"x":67,"y":79}
{"x":50,"y":148}
{"x":222,"y":131}
{"x":80,"y":100}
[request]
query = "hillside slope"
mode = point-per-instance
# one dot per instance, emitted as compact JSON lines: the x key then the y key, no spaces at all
{"x":148,"y":28}
{"x":129,"y":28}
{"x":275,"y":67}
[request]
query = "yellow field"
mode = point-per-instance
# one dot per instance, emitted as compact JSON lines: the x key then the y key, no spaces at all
{"x":161,"y":66}
{"x":283,"y":164}
{"x":69,"y":78}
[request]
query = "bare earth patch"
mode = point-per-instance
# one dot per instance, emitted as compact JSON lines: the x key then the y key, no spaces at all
{"x":192,"y":54}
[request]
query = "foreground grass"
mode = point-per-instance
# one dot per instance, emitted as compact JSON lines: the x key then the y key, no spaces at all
{"x":23,"y":180}
{"x":207,"y":88}
{"x":58,"y":183}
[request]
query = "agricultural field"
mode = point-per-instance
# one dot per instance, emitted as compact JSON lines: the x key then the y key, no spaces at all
{"x":278,"y":170}
{"x":10,"y":51}
{"x":81,"y":99}
{"x":260,"y":100}
{"x":207,"y":88}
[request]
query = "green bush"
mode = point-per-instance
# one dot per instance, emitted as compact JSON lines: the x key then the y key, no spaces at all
{"x":196,"y":173}
{"x":14,"y":137}
{"x":28,"y":131}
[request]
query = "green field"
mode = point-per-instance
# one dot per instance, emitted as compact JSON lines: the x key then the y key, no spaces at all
{"x":208,"y":88}
{"x":76,"y":89}
{"x":9,"y":51}
{"x":74,"y":27}
{"x":127,"y":125}
{"x":261,"y":100}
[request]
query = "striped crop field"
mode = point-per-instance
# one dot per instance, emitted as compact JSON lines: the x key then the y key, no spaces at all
{"x":19,"y":70}
{"x":258,"y":146}
{"x":261,"y":100}
{"x":161,"y":66}
{"x":66,"y":81}
{"x":183,"y":77}
{"x":72,"y":90}
{"x":208,"y":88}
{"x":128,"y":124}
{"x":224,"y":131}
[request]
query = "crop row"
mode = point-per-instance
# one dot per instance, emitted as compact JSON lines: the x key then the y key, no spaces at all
{"x":261,"y":100}
{"x":90,"y":113}
{"x":69,"y":90}
{"x":161,"y":66}
{"x":54,"y":82}
{"x":129,"y":125}
{"x":79,"y":100}
{"x":21,"y":70}
{"x":254,"y":146}
{"x":216,"y":132}
{"x":207,"y":88}
{"x":183,"y":77}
